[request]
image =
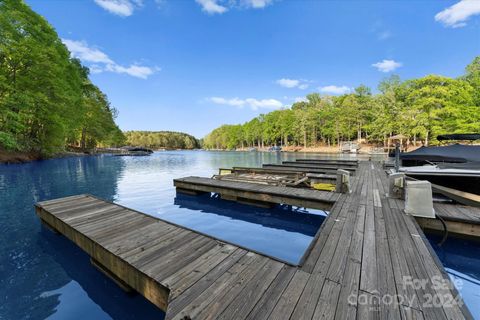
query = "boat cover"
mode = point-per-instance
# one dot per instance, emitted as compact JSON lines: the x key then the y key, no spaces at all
{"x":452,"y":153}
{"x":465,"y":136}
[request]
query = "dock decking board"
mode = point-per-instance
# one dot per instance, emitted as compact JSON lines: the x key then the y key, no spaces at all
{"x":365,"y":246}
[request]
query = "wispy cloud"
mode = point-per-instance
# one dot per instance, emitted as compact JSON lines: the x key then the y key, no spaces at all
{"x":222,"y":6}
{"x":253,"y":103}
{"x":81,"y":50}
{"x":100,"y":61}
{"x":123,"y":8}
{"x":384,"y":35}
{"x":387,"y":65}
{"x":332,"y":89}
{"x":212,"y":6}
{"x":457,"y":15}
{"x":257,"y":4}
{"x":293,"y":83}
{"x":300,"y":99}
{"x":381,"y":30}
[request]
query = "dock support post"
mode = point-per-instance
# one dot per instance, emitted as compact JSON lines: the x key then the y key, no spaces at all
{"x":396,"y":185}
{"x":343,"y":181}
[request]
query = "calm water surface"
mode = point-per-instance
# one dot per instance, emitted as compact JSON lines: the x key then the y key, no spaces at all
{"x":43,"y":275}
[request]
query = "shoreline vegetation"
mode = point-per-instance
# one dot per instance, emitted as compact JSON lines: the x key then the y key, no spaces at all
{"x":416,"y":109}
{"x":158,"y":140}
{"x":48,"y":105}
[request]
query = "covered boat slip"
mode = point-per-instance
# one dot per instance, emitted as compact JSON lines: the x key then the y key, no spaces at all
{"x":366,"y":249}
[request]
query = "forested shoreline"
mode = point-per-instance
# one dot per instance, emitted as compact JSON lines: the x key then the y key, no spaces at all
{"x":161,"y":140}
{"x":419,"y":109}
{"x":47,"y":102}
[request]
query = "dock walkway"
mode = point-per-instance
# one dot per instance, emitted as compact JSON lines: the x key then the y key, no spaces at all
{"x":357,"y":266}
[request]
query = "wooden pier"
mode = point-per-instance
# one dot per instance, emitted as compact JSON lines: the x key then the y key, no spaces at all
{"x":258,"y":194}
{"x":360,"y":264}
{"x":281,"y":167}
{"x":288,"y":164}
{"x":323,"y":163}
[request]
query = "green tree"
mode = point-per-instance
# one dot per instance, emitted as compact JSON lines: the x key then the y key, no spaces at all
{"x":43,"y":92}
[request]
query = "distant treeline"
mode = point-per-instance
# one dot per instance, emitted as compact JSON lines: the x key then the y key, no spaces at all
{"x":47,"y":101}
{"x":161,"y":140}
{"x":420,"y":109}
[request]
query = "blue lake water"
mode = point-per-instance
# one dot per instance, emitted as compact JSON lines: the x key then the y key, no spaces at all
{"x":43,"y":275}
{"x":461,"y":260}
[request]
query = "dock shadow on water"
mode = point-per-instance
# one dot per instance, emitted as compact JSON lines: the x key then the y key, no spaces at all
{"x":282,"y":232}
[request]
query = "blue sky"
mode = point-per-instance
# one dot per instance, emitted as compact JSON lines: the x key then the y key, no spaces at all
{"x":192,"y":65}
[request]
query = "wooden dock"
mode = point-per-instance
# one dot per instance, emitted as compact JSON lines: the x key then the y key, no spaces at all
{"x":459,"y":219}
{"x":324,"y":163}
{"x":258,"y":194}
{"x":281,"y":167}
{"x":294,"y":164}
{"x":366,"y":250}
{"x":331,"y":161}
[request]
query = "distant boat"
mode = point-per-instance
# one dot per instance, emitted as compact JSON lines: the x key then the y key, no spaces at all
{"x":349,"y":147}
{"x":134,"y":151}
{"x":275,"y":149}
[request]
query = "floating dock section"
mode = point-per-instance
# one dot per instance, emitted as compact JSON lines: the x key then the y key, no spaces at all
{"x":258,"y":194}
{"x":366,"y":261}
{"x":459,"y":219}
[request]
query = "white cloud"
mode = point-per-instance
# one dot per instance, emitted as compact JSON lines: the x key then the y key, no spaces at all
{"x":334,"y":89}
{"x":133,"y":70}
{"x":292,"y":83}
{"x":81,"y":50}
{"x":123,"y":8}
{"x":457,"y":15}
{"x":288,"y":83}
{"x":100,"y":61}
{"x":300,"y":99}
{"x":95,"y":68}
{"x":222,"y":6}
{"x":253,"y":103}
{"x":257,"y":4}
{"x":211,"y":6}
{"x":387,"y":65}
{"x":231,"y":102}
